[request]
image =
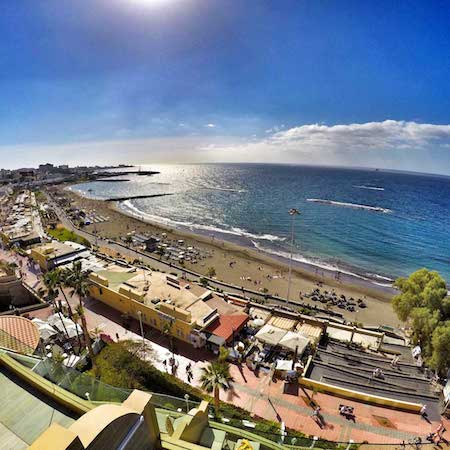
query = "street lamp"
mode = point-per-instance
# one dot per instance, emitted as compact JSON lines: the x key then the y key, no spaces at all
{"x":186,"y":397}
{"x":142,"y":328}
{"x":292,"y":212}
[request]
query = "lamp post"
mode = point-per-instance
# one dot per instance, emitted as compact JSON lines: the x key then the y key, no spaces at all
{"x":142,"y":328}
{"x":186,"y":397}
{"x":292,"y":212}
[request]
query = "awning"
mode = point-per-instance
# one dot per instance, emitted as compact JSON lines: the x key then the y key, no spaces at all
{"x":294,"y":341}
{"x":227,"y":324}
{"x":46,"y":331}
{"x":69,"y":325}
{"x":284,"y":364}
{"x":216,"y":340}
{"x":270,"y":335}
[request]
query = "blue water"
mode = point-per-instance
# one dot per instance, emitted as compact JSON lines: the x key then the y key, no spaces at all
{"x":249,"y":203}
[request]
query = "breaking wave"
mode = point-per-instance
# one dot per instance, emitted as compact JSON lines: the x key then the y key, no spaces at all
{"x":349,"y":205}
{"x":370,"y":188}
{"x":127,"y":206}
{"x":310,"y":261}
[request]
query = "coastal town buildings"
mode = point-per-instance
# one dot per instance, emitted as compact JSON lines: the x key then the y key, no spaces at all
{"x":21,"y":225}
{"x":53,"y":254}
{"x":162,"y":301}
{"x":13,"y":293}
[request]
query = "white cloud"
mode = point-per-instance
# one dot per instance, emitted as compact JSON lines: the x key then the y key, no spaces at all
{"x":390,"y":134}
{"x":388,"y":144}
{"x":211,"y":125}
{"x":386,"y":135}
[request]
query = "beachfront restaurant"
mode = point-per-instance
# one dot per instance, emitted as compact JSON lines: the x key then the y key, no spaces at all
{"x":279,"y":347}
{"x":224,"y":331}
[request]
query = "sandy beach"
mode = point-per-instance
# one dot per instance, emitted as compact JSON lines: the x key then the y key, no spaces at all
{"x":250,"y":268}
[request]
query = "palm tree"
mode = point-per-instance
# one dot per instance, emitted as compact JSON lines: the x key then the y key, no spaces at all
{"x":215,"y":377}
{"x":59,"y":279}
{"x":50,"y":281}
{"x":160,"y":251}
{"x":167,"y":332}
{"x":78,"y":280}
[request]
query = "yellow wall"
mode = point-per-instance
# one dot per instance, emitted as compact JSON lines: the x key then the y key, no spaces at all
{"x":40,"y":258}
{"x":355,"y":395}
{"x":150,"y":316}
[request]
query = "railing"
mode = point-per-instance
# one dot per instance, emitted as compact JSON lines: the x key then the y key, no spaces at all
{"x":87,"y":387}
{"x":80,"y":384}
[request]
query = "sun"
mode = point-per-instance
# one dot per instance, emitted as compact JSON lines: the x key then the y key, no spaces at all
{"x":151,"y":2}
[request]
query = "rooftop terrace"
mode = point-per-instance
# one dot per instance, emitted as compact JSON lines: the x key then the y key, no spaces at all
{"x":155,"y":288}
{"x":352,"y":369}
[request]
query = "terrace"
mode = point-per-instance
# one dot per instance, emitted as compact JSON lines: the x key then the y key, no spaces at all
{"x":353,"y":368}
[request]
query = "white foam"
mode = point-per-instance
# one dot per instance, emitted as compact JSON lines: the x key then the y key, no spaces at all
{"x":266,"y":237}
{"x":370,"y":188}
{"x":349,"y":205}
{"x":194,"y":226}
{"x":218,"y":188}
{"x":379,"y":277}
{"x":309,"y":261}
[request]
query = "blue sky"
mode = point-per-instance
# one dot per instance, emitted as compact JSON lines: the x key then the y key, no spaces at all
{"x":99,"y":81}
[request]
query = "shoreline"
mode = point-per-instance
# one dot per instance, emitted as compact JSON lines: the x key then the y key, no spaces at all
{"x":305,"y":269}
{"x":247,"y":267}
{"x":380,"y":283}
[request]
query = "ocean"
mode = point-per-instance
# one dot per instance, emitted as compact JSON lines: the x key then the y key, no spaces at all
{"x":375,"y":224}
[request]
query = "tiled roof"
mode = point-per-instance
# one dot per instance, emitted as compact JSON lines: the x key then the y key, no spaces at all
{"x":225,"y":324}
{"x":18,"y":334}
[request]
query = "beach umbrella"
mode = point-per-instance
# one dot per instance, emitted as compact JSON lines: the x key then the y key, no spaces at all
{"x":295,"y":342}
{"x":270,"y":335}
{"x":46,"y":331}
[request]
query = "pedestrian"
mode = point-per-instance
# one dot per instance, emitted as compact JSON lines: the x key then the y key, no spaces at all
{"x":423,"y":411}
{"x":317,"y":416}
{"x":394,"y":362}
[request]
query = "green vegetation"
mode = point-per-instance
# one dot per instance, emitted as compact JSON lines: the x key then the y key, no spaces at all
{"x":215,"y":378}
{"x":63,"y":234}
{"x":211,"y":272}
{"x":78,"y":280}
{"x":40,"y":196}
{"x":160,"y":251}
{"x":424,"y":303}
{"x":119,"y":364}
{"x":53,"y":282}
